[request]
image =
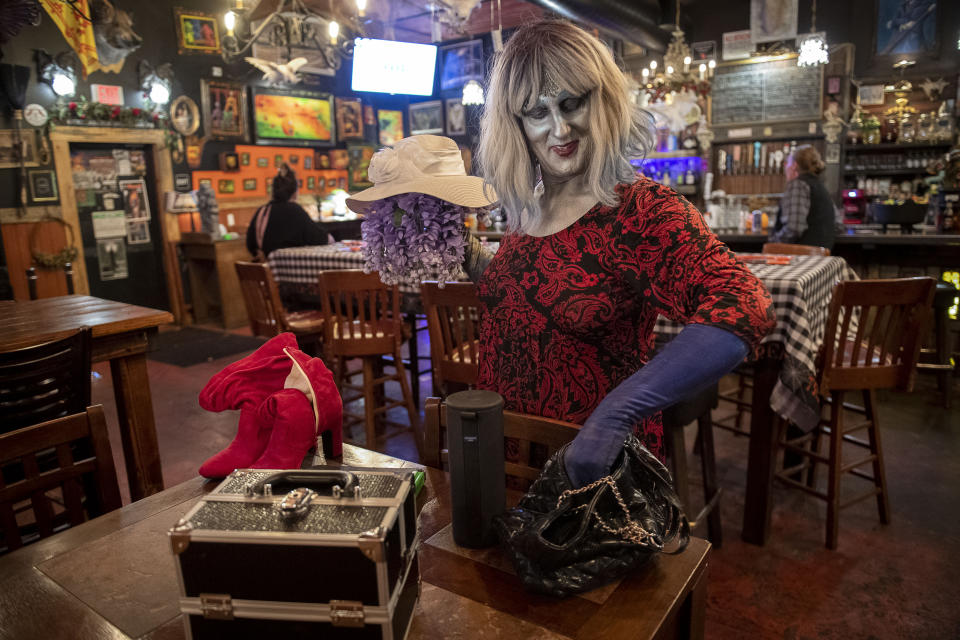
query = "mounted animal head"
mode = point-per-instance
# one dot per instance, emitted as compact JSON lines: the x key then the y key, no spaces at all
{"x":114,"y":34}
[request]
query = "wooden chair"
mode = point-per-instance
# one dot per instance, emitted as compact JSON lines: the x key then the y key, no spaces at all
{"x":59,"y":497}
{"x":32,"y":280}
{"x":265,"y":310}
{"x":453,"y":320}
{"x":534,"y":440}
{"x":45,"y":381}
{"x":786,"y":249}
{"x":363,"y":320}
{"x":872,"y":341}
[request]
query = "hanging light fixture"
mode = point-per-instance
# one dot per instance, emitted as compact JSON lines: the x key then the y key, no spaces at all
{"x":677,"y":75}
{"x":58,"y":71}
{"x":813,"y":46}
{"x":472,"y":93}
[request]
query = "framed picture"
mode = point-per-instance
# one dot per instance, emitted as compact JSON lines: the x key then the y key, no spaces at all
{"x":43,"y":185}
{"x":773,"y":20}
{"x":181,"y":181}
{"x":224,"y":110}
{"x":249,"y":184}
{"x":245,"y":159}
{"x":136,"y":205}
{"x":350,"y":118}
{"x":184,"y":115}
{"x":11,"y":151}
{"x":321,"y":183}
{"x":308,"y":162}
{"x":229,"y":161}
{"x":368,"y":118}
{"x":359,"y":155}
{"x":293,"y":159}
{"x":339,"y":159}
{"x":391,"y":126}
{"x":277,"y":161}
{"x":263,"y":163}
{"x":322,"y":161}
{"x":112,"y":258}
{"x":225,"y":186}
{"x":205,"y":181}
{"x":197,"y":32}
{"x":871,"y":94}
{"x":460,"y":63}
{"x":138,"y":231}
{"x":293,"y":117}
{"x":906,"y":27}
{"x":311,"y":183}
{"x":426,"y":117}
{"x":456,"y":117}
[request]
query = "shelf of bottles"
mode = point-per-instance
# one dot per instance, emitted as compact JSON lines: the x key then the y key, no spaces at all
{"x":680,"y":170}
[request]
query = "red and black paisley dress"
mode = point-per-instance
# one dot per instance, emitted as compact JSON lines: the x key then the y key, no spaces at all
{"x":569,"y":316}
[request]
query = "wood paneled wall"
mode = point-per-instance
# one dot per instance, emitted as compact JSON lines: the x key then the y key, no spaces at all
{"x":50,"y":237}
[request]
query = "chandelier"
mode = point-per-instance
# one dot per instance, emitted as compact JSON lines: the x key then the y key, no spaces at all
{"x":296,"y":29}
{"x":812,"y":47}
{"x":677,"y":74}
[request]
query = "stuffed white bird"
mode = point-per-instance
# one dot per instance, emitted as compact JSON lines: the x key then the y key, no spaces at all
{"x":274,"y":73}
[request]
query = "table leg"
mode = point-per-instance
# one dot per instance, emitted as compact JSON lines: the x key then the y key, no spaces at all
{"x":414,"y":359}
{"x":138,"y":432}
{"x":763,"y":451}
{"x":698,"y":606}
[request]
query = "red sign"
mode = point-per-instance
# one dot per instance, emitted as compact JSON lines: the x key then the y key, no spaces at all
{"x":107,"y":93}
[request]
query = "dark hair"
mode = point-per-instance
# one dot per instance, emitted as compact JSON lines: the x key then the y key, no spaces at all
{"x":284,"y":184}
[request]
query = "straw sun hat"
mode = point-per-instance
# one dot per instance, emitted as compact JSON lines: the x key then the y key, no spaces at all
{"x":422,"y":164}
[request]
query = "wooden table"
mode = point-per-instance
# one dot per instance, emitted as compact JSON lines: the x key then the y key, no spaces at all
{"x":214,"y":285}
{"x":114,"y":577}
{"x":120,"y":333}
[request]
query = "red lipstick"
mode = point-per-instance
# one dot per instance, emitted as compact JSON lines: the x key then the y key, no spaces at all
{"x":566,"y":150}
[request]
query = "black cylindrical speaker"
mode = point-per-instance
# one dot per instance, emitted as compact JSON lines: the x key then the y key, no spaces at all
{"x":477,"y":476}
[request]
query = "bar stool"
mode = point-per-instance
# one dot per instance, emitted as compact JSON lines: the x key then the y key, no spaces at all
{"x":698,"y":407}
{"x":363,"y":320}
{"x":943,"y":299}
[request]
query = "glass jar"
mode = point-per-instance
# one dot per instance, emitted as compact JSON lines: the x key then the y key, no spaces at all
{"x":871,"y":130}
{"x":908,"y":129}
{"x":891,"y":129}
{"x":924,"y":127}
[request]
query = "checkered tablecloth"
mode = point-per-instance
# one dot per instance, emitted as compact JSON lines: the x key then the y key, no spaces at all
{"x":801,"y":294}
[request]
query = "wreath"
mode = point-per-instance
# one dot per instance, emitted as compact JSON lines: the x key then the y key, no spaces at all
{"x":54,"y":260}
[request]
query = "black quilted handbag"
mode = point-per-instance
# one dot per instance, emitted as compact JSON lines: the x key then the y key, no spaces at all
{"x":564,"y":541}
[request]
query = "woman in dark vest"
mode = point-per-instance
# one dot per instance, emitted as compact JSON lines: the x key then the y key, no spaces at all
{"x":806,"y":213}
{"x":283,"y":223}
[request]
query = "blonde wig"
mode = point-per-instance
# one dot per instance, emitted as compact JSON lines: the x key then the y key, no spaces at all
{"x":543,"y":59}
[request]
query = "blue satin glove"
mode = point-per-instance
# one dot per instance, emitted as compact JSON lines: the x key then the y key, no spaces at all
{"x":698,"y":357}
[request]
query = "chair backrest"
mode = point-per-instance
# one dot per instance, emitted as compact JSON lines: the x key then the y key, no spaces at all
{"x":873,"y":333}
{"x":361,"y":314}
{"x":784,"y":248}
{"x":262,"y":298}
{"x":32,"y":280}
{"x":529,"y":440}
{"x":45,"y":381}
{"x":453,"y":322}
{"x":43,"y":475}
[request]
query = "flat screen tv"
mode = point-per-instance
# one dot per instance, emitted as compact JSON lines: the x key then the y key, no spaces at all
{"x":385,"y":66}
{"x":293,"y":117}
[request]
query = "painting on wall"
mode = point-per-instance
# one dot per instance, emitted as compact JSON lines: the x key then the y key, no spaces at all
{"x":350,"y":118}
{"x":460,"y":63}
{"x":339,"y":159}
{"x":906,"y":27}
{"x":224,"y":110}
{"x":360,"y":155}
{"x":773,"y":20}
{"x":456,"y":117}
{"x":197,"y":32}
{"x":303,"y":118}
{"x":391,"y":126}
{"x":426,"y":117}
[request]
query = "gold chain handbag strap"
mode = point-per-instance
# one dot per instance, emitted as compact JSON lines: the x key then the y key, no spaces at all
{"x":632,"y":531}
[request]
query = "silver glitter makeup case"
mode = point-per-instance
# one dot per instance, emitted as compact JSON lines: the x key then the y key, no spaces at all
{"x":328,"y":552}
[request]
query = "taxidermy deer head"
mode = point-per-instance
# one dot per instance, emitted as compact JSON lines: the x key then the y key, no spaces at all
{"x":114,"y":34}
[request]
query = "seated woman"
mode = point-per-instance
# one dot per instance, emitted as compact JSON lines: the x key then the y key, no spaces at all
{"x":593,"y":254}
{"x":283,"y":223}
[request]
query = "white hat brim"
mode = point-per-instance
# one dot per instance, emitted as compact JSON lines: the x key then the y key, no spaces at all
{"x":465,"y":191}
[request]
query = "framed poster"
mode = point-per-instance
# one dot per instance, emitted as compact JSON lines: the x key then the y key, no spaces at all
{"x":871,"y":94}
{"x":456,"y":117}
{"x":197,"y":32}
{"x":43,"y":185}
{"x":225,"y":186}
{"x":905,"y":27}
{"x":112,"y":258}
{"x":136,"y":205}
{"x":772,"y":20}
{"x":184,"y":115}
{"x":138,"y":231}
{"x":11,"y":150}
{"x":359,"y":155}
{"x":249,"y":184}
{"x":350,"y":118}
{"x":460,"y":63}
{"x":391,"y":126}
{"x":224,"y":110}
{"x":293,"y":117}
{"x":426,"y":117}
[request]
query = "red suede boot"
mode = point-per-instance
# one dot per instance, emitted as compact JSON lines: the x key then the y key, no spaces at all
{"x":293,"y":433}
{"x":247,"y":446}
{"x":312,"y":376}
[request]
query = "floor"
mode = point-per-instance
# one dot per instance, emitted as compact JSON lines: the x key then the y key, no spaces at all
{"x":893,"y":581}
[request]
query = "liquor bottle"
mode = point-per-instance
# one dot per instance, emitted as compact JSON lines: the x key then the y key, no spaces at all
{"x":690,"y":178}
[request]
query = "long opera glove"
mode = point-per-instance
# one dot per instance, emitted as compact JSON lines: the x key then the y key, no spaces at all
{"x":698,"y":357}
